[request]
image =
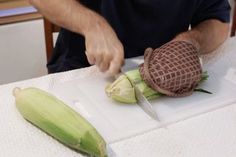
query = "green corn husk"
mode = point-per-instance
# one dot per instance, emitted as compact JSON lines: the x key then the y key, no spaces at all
{"x":59,"y":120}
{"x":121,"y":89}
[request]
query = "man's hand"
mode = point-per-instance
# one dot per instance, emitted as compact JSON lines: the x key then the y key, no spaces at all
{"x":104,"y":49}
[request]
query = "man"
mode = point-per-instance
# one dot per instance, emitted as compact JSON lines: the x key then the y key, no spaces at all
{"x":104,"y":32}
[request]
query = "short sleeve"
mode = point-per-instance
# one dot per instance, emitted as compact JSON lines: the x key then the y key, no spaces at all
{"x":92,"y":4}
{"x":211,"y":9}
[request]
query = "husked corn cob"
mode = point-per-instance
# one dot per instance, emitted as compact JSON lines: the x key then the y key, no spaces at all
{"x":59,"y":120}
{"x":121,"y":89}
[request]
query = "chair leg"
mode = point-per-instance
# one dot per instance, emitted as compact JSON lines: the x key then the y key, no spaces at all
{"x":48,"y":32}
{"x":233,"y":29}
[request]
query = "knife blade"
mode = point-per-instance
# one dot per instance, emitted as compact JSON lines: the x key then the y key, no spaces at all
{"x":142,"y":100}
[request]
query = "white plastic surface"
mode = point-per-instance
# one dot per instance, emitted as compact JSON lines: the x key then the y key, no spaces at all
{"x":117,"y":121}
{"x":114,"y":121}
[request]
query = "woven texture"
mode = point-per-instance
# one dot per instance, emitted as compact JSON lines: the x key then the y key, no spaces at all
{"x":173,"y":69}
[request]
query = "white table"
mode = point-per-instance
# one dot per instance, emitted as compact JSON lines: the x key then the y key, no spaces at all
{"x":209,"y":134}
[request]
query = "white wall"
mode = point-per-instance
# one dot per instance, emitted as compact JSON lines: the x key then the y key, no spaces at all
{"x":22,"y":51}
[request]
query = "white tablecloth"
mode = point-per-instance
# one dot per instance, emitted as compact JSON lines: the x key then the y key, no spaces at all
{"x":209,"y":134}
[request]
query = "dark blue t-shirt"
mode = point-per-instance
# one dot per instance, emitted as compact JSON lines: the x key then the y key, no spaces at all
{"x":139,"y":24}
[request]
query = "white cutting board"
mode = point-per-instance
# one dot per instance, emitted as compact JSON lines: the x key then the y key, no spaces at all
{"x":117,"y":121}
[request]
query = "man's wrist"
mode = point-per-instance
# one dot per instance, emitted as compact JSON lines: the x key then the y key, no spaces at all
{"x":189,"y":36}
{"x":94,"y":25}
{"x":85,"y":21}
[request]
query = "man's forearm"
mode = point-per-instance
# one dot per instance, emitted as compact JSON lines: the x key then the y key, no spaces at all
{"x":206,"y":36}
{"x":102,"y":46}
{"x":69,"y":14}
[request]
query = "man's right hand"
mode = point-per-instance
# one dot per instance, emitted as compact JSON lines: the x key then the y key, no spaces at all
{"x":104,"y":49}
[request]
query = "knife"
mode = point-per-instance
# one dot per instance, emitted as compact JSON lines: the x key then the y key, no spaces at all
{"x":142,"y":100}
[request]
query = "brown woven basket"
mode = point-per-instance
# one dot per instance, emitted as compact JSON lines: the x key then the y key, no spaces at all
{"x":174,"y":69}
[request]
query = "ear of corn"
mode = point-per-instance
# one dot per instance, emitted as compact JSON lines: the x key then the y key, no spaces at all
{"x":59,"y":120}
{"x":121,"y":89}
